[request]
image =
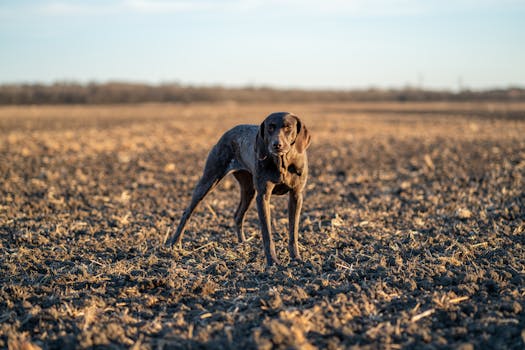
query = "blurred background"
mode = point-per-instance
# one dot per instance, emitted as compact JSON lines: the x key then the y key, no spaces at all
{"x":354,"y":45}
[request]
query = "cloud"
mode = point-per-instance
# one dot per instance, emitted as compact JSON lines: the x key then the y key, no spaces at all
{"x":350,"y":7}
{"x":71,"y":8}
{"x":159,"y":6}
{"x":136,"y":6}
{"x":367,"y":8}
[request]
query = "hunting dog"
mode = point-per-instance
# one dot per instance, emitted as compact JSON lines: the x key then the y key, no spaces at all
{"x":266,"y":159}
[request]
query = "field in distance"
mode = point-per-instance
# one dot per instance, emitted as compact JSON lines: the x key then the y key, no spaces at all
{"x":412,"y":231}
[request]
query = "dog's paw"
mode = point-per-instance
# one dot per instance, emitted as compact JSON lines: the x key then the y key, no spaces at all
{"x":296,"y":259}
{"x":273,"y":262}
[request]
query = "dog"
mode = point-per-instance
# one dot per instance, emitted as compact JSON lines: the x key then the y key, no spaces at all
{"x":267,"y":159}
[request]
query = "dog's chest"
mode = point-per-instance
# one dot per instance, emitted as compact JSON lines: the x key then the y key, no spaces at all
{"x":290,"y":176}
{"x":285,"y":176}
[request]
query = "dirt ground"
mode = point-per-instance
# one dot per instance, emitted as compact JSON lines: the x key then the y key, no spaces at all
{"x":412,"y":232}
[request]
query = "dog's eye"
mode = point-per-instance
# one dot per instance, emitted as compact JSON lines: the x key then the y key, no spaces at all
{"x":271,"y":127}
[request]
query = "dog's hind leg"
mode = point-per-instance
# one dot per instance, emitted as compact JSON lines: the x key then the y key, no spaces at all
{"x":215,"y":169}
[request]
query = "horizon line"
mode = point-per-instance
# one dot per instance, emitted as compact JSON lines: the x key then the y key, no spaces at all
{"x":249,"y":85}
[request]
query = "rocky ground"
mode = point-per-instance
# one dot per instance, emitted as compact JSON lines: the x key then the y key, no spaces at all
{"x":412,"y":232}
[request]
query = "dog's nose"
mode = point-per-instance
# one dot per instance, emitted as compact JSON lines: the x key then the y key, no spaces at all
{"x":277,"y":145}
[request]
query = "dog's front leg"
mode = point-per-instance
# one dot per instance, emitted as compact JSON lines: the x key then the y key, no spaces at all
{"x":295,"y":204}
{"x":263,"y":208}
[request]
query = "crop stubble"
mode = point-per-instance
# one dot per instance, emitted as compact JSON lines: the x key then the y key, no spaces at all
{"x":412,"y":230}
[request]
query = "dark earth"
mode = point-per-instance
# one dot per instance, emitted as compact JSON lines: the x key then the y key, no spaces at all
{"x":412,"y":232}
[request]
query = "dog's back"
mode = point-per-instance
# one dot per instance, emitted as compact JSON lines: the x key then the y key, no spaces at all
{"x":240,"y":141}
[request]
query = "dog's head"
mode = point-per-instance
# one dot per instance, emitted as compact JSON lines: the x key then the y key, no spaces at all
{"x":281,"y":132}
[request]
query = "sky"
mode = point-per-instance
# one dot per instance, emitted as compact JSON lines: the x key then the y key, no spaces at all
{"x":437,"y":44}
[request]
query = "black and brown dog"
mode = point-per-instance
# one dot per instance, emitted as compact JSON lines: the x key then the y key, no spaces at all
{"x":265,"y":160}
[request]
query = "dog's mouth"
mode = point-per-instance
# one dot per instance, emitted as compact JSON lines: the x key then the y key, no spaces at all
{"x":279,"y":153}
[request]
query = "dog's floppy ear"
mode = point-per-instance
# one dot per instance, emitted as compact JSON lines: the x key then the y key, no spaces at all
{"x":260,"y":145}
{"x":302,"y":140}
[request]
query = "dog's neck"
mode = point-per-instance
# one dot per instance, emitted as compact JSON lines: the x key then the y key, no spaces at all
{"x":281,"y":161}
{"x":286,"y":163}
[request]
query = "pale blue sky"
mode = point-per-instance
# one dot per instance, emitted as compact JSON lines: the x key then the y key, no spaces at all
{"x":287,"y":43}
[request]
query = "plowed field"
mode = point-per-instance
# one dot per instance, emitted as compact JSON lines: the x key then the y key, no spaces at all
{"x":412,"y":231}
